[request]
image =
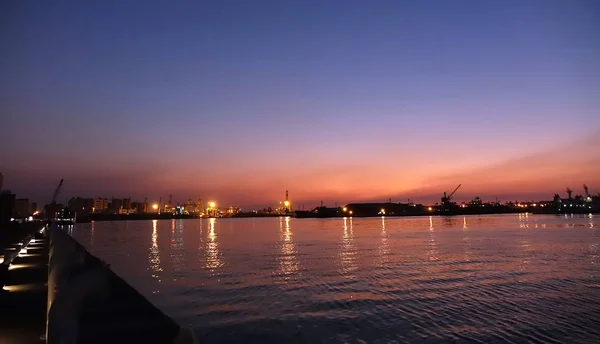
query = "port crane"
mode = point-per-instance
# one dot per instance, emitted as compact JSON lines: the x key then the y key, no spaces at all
{"x":52,"y":208}
{"x":570,"y":193}
{"x":446,"y":199}
{"x":57,"y":191}
{"x":587,"y":191}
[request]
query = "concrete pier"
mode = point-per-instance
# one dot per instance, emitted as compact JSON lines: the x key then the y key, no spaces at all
{"x":55,"y":291}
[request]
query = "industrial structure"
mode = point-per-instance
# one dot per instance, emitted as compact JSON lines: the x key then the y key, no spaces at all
{"x":88,"y":209}
{"x":52,"y":209}
{"x":447,"y":199}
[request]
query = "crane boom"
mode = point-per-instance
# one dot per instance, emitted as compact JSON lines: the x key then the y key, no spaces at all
{"x":57,"y":191}
{"x":452,"y":193}
{"x":570,"y":192}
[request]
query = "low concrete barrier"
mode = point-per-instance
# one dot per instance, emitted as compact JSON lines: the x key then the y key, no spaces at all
{"x":87,"y":302}
{"x":68,"y":284}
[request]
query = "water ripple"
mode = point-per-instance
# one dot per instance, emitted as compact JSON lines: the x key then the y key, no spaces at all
{"x":509,"y":279}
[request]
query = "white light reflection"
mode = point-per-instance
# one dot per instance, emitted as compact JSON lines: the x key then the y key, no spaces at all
{"x":524,"y":220}
{"x":433,"y":252}
{"x":348,"y":251}
{"x":525,"y":245}
{"x":384,"y":248}
{"x":466,"y":240}
{"x":177,"y":247}
{"x":154,"y":256}
{"x":213,"y":256}
{"x":288,"y":260}
{"x":594,"y":253}
{"x":92,"y":235}
{"x":199,"y":257}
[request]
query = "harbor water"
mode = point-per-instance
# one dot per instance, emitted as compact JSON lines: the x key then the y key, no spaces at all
{"x":510,"y":278}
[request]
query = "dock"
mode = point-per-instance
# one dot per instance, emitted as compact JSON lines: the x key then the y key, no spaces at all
{"x":24,"y":288}
{"x":53,"y":290}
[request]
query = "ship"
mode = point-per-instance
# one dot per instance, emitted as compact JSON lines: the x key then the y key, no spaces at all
{"x":319,"y":212}
{"x":64,"y":217}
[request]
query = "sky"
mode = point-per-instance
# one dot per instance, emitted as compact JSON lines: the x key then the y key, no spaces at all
{"x":341,"y":101}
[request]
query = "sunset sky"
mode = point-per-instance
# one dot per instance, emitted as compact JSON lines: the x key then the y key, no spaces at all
{"x":238,"y":101}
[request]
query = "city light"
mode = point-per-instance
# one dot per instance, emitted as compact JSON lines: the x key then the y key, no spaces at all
{"x":345,"y":209}
{"x":155,"y":206}
{"x":350,"y":212}
{"x":212,"y":204}
{"x":286,"y":203}
{"x":430,"y":208}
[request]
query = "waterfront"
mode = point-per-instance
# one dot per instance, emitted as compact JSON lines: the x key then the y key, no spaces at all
{"x":512,"y":277}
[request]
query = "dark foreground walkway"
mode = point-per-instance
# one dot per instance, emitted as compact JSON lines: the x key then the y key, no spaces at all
{"x":115,"y":313}
{"x":23,"y":297}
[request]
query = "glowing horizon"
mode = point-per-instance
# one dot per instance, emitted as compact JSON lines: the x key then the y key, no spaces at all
{"x":534,"y":177}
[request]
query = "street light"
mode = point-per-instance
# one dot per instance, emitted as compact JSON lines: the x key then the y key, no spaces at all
{"x":286,"y":203}
{"x":155,"y":206}
{"x":344,"y":209}
{"x":212,"y":204}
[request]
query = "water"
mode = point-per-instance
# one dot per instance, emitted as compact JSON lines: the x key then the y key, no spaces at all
{"x":509,"y":278}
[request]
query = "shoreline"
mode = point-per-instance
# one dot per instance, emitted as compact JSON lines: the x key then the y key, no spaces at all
{"x":139,"y":217}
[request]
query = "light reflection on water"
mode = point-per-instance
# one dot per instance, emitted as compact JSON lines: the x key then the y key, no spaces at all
{"x":213,"y":255}
{"x":177,"y":246}
{"x":466,"y":240}
{"x":92,"y":224}
{"x":428,"y":279}
{"x":384,"y":247}
{"x":348,"y":251}
{"x":288,"y":261}
{"x":154,"y":255}
{"x":432,"y":253}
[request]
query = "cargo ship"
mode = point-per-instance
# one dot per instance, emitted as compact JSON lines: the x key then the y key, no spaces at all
{"x":319,"y":212}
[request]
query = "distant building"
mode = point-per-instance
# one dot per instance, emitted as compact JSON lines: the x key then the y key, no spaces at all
{"x":21,"y":208}
{"x":230,"y":211}
{"x":189,"y":206}
{"x":81,"y":205}
{"x":127,"y":211}
{"x":100,"y":205}
{"x":126,"y":203}
{"x":51,"y":210}
{"x":115,"y":205}
{"x":140,"y":207}
{"x":123,"y":206}
{"x":7,"y":200}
